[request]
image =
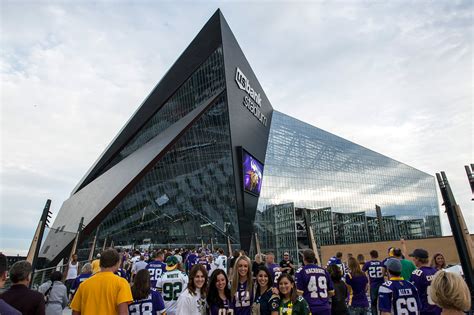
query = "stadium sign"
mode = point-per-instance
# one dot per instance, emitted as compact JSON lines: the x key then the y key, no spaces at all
{"x":252,"y":101}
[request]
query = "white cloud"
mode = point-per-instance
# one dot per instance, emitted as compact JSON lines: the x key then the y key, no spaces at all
{"x":394,"y":77}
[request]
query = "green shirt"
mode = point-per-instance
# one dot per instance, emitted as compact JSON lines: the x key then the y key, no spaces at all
{"x":300,"y":307}
{"x":407,"y":268}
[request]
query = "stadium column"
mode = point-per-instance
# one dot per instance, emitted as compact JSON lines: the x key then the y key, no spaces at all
{"x":461,"y":234}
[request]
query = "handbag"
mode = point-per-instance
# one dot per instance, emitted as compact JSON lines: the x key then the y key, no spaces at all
{"x":46,"y":294}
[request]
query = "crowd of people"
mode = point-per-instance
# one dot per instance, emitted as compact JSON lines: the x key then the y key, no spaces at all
{"x":197,"y":282}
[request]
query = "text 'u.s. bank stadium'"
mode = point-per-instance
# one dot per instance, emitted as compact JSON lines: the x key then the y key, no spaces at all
{"x":206,"y":160}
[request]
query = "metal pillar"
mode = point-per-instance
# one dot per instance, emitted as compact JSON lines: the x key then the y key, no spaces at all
{"x":470,"y":176}
{"x":36,"y":242}
{"x":461,"y":235}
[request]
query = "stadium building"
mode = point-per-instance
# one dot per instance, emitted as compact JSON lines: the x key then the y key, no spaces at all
{"x":206,"y":160}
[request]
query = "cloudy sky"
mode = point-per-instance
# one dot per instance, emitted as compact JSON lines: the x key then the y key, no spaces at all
{"x":396,"y":77}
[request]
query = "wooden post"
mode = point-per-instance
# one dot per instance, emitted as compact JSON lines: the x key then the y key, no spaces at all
{"x":309,"y":232}
{"x":105,"y":243}
{"x":94,"y":242}
{"x":257,"y":244}
{"x":76,"y":240}
{"x":229,"y":246}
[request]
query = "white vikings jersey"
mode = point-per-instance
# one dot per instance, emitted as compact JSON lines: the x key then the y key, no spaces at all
{"x":171,"y":284}
{"x":221,"y":262}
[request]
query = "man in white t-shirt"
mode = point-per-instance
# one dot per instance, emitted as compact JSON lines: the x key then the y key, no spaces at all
{"x":139,"y":265}
{"x":221,"y":260}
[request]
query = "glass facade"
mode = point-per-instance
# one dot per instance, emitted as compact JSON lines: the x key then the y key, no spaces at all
{"x":189,"y":196}
{"x":310,"y":177}
{"x":339,"y":183}
{"x":203,"y":84}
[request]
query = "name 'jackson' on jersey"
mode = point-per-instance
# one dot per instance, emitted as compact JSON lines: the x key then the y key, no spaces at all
{"x":316,"y":285}
{"x":422,"y":278}
{"x":399,"y":297}
{"x":156,"y":269}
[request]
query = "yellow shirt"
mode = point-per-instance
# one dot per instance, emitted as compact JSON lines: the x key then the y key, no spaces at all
{"x":101,"y":294}
{"x":95,"y":265}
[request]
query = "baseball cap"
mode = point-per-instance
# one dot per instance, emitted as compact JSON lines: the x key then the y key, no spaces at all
{"x":393,"y":264}
{"x":171,"y":263}
{"x":419,"y":253}
{"x":286,"y":254}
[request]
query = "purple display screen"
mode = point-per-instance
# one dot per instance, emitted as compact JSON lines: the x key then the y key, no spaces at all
{"x":253,"y":173}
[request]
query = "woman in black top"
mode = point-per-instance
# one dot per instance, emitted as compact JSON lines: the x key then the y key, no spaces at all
{"x":265,"y":302}
{"x":339,"y":306}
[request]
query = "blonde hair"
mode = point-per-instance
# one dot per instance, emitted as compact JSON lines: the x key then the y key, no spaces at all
{"x":449,"y":291}
{"x":236,"y":276}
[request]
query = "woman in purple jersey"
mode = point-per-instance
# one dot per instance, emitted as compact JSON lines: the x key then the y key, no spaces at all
{"x":358,"y":283}
{"x":145,"y":299}
{"x":218,"y":297}
{"x":242,"y":286}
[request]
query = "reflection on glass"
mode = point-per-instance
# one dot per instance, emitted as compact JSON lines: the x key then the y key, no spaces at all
{"x":188,"y":198}
{"x":339,"y":183}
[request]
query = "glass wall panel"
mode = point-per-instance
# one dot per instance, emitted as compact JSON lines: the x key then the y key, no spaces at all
{"x":188,"y":197}
{"x":201,"y":85}
{"x":315,"y":170}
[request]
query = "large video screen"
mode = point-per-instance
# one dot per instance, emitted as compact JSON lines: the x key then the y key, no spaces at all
{"x":253,"y":173}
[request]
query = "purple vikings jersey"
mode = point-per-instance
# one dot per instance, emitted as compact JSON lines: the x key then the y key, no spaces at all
{"x":334,"y":261}
{"x":399,"y":297}
{"x":153,"y":304}
{"x":242,"y":300}
{"x":224,"y":309}
{"x":422,"y":278}
{"x":79,"y":280}
{"x":156,"y":269}
{"x":205,"y":263}
{"x":315,"y":283}
{"x":375,"y":270}
{"x":357,"y":285}
{"x":274,"y":271}
{"x":191,"y":261}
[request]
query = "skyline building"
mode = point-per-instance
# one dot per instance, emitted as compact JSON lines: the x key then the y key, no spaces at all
{"x":205,"y":159}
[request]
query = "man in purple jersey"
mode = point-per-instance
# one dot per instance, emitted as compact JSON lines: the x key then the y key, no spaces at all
{"x":203,"y":261}
{"x":375,"y":271}
{"x":191,"y":260}
{"x":272,"y":267}
{"x":315,"y":284}
{"x":397,"y":296}
{"x":422,"y":278}
{"x":156,"y":267}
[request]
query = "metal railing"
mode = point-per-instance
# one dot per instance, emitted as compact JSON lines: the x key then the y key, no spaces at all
{"x":40,"y":276}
